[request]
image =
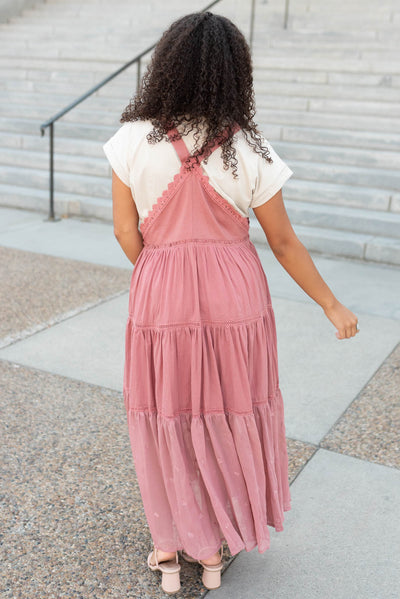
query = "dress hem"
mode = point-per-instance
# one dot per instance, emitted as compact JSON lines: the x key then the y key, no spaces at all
{"x":215,"y":471}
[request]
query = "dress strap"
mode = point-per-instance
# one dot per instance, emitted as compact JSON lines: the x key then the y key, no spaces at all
{"x":182,"y":150}
{"x":179,"y":144}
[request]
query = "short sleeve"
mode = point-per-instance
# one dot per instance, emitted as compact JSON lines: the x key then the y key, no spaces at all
{"x":270,"y":177}
{"x":116,"y":151}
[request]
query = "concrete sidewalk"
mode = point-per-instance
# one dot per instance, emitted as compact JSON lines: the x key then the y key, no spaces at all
{"x":74,"y":522}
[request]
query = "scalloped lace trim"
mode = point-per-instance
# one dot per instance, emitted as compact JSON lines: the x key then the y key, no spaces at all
{"x":159,"y":204}
{"x":243,"y":220}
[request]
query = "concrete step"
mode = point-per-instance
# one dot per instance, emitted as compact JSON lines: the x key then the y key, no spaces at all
{"x":66,"y":203}
{"x":64,"y":145}
{"x":19,"y":125}
{"x":315,"y":62}
{"x":346,"y":20}
{"x":339,"y":137}
{"x":73,"y":52}
{"x":329,"y":53}
{"x":294,"y":39}
{"x":103,"y":12}
{"x":330,"y":121}
{"x":379,"y":33}
{"x":304,"y":6}
{"x":382,"y":96}
{"x":89,"y":78}
{"x":352,"y":156}
{"x":63,"y":163}
{"x":132,"y":13}
{"x":356,"y":220}
{"x":55,"y":103}
{"x":87,"y":185}
{"x":364,"y":79}
{"x":346,"y":175}
{"x":36,"y":104}
{"x":336,"y":194}
{"x":363,"y":107}
{"x":94,"y":40}
{"x":78,"y":115}
{"x":48,"y":64}
{"x":40,"y":27}
{"x":63,"y":129}
{"x":331,"y":242}
{"x":64,"y":87}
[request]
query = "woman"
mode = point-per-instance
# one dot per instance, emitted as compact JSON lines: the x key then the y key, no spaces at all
{"x":201,"y":386}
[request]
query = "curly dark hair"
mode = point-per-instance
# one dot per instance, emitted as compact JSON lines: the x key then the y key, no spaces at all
{"x":200,"y":75}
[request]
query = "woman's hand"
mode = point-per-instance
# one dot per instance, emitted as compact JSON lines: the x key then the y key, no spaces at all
{"x":296,"y":260}
{"x":343,"y":319}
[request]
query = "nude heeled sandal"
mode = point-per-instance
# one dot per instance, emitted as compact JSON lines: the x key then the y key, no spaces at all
{"x":170,"y":581}
{"x":211,"y":577}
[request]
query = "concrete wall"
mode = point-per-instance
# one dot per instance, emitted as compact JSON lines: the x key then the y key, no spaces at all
{"x":10,"y":8}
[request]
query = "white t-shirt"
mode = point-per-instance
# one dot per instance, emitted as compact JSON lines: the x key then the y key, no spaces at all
{"x":148,"y":168}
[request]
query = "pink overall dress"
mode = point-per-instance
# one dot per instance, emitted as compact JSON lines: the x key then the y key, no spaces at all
{"x":201,"y":388}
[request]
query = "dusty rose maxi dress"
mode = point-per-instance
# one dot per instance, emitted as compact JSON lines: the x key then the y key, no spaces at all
{"x":201,"y":388}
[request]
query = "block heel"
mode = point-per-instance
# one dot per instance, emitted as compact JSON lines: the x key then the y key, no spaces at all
{"x":170,"y":582}
{"x":170,"y":570}
{"x":211,"y":577}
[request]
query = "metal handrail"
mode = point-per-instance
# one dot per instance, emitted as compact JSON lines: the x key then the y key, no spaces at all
{"x":50,"y":122}
{"x":286,"y":17}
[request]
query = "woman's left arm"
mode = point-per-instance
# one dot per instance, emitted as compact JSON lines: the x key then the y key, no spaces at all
{"x":126,"y":219}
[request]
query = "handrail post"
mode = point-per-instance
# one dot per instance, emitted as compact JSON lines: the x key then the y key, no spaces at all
{"x":51,"y":213}
{"x":253,"y":5}
{"x":51,"y":207}
{"x":286,"y":18}
{"x":138,"y":73}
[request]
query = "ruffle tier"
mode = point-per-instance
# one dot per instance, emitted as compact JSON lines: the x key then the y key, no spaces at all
{"x":212,"y":477}
{"x":198,"y":281}
{"x":206,"y":424}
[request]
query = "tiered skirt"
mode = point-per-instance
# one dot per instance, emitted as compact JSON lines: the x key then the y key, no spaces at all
{"x":201,"y":390}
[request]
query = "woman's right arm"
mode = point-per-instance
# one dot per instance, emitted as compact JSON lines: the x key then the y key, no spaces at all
{"x":296,"y":260}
